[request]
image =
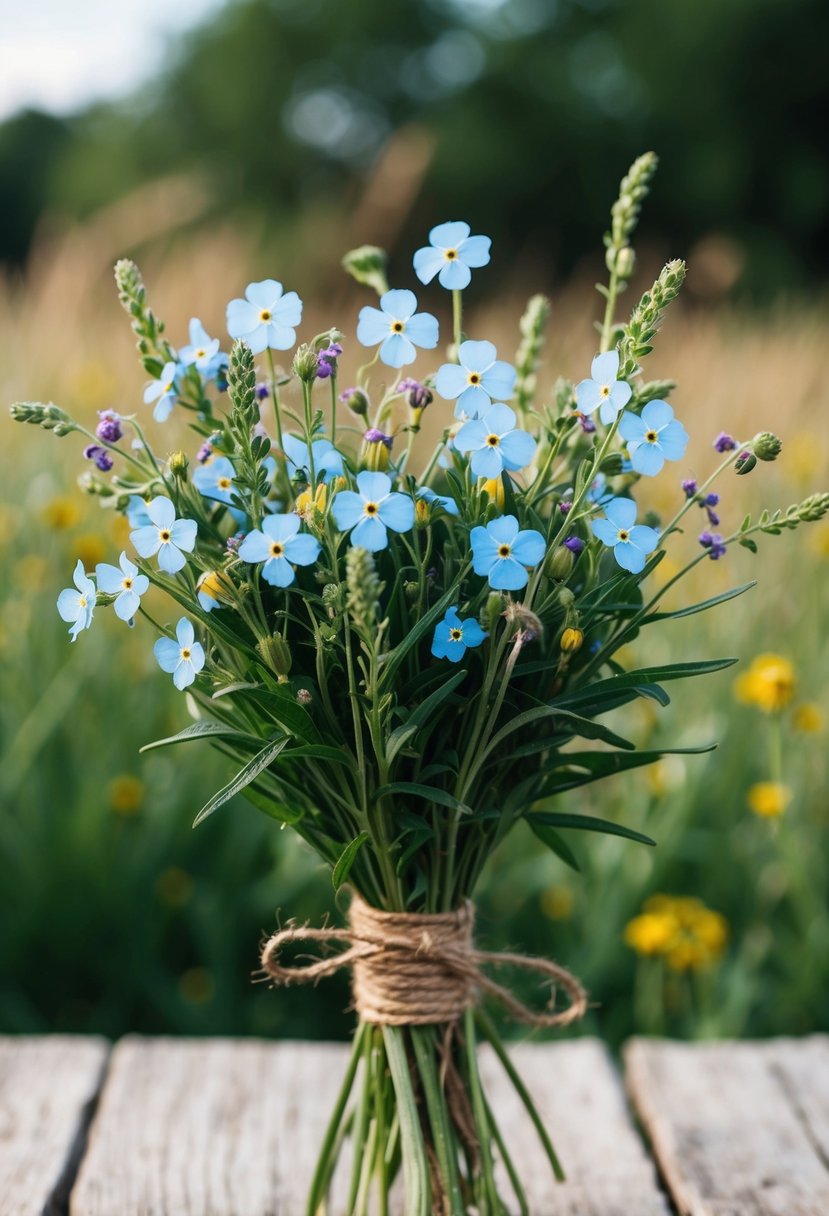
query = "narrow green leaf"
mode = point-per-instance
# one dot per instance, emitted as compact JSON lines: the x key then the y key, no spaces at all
{"x":411,"y":789}
{"x":554,"y":842}
{"x":201,"y":730}
{"x":703,"y":605}
{"x":280,"y":811}
{"x":346,"y":860}
{"x":572,"y":724}
{"x":399,"y":737}
{"x":243,"y":778}
{"x":636,"y":679}
{"x":423,"y":626}
{"x":585,"y":823}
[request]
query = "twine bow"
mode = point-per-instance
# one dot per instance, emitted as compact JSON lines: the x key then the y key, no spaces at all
{"x":416,"y":969}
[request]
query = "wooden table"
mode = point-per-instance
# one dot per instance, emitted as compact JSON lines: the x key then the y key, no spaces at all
{"x":222,"y":1127}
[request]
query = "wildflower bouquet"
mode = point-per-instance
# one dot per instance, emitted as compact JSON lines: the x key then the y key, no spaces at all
{"x":405,"y":662}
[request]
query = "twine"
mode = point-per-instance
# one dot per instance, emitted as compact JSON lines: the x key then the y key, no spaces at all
{"x":417,"y":969}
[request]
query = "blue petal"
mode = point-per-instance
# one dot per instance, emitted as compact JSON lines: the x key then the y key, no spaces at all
{"x":647,"y":459}
{"x":423,"y":330}
{"x":281,"y":526}
{"x":167,"y":654}
{"x":397,"y":512}
{"x":631,"y":427}
{"x":629,"y":557}
{"x":455,"y":650}
{"x":109,"y":578}
{"x":529,"y":547}
{"x":605,"y":368}
{"x":477,"y":356}
{"x":674,"y":440}
{"x":503,"y":530}
{"x":588,"y":396}
{"x":278,"y":571}
{"x":372,"y":326}
{"x":146,"y":540}
{"x":427,"y":262}
{"x":127,"y":605}
{"x":302,"y":550}
{"x":264,"y":294}
{"x":487,"y":462}
{"x":373,"y":486}
{"x":347,"y":509}
{"x":288,"y":312}
{"x":255,"y":547}
{"x":622,"y":511}
{"x":185,"y":633}
{"x":499,"y":419}
{"x":397,"y":351}
{"x":184,"y":675}
{"x":69,"y":605}
{"x":644,"y":538}
{"x":399,"y":305}
{"x":475,"y":251}
{"x":606,"y":530}
{"x":370,"y":534}
{"x":278,"y":337}
{"x":449,"y":235}
{"x":484,"y":550}
{"x":183,"y":534}
{"x":499,"y":380}
{"x":455,"y":275}
{"x":473,"y":635}
{"x":161,"y":511}
{"x":472,"y":436}
{"x":508,"y":575}
{"x":170,"y":559}
{"x":450,"y":381}
{"x":657,"y":414}
{"x":242,"y":318}
{"x":473,"y":402}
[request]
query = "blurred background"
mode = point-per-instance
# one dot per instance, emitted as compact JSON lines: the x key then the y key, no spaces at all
{"x":225,"y":142}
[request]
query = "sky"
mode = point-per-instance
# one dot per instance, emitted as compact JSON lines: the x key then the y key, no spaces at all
{"x":58,"y":55}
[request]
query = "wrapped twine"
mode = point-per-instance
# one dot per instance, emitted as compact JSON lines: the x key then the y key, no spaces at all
{"x":418,"y":969}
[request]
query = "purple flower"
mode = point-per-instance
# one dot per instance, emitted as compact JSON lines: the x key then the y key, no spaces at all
{"x":327,"y":364}
{"x":109,"y":428}
{"x":417,"y":394}
{"x":564,"y":507}
{"x":713,"y":542}
{"x":262,"y":391}
{"x":724,"y":442}
{"x":689,"y":487}
{"x":373,"y":435}
{"x":713,"y":517}
{"x":205,"y":452}
{"x":101,"y":457}
{"x":233,"y":542}
{"x":587,"y":424}
{"x":711,"y":500}
{"x":574,"y":543}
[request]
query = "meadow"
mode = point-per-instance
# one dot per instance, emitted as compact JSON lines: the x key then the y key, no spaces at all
{"x":115,"y":916}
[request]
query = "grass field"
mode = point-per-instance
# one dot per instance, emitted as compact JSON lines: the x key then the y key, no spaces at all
{"x":115,"y":916}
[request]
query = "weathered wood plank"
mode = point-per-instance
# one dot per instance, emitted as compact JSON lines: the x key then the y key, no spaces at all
{"x":738,"y":1129}
{"x":47,"y":1087}
{"x":190,"y":1128}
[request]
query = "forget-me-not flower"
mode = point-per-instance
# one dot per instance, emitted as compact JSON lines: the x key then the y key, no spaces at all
{"x":165,"y":535}
{"x":128,"y":584}
{"x":453,"y":637}
{"x":136,"y":512}
{"x":372,"y":510}
{"x":77,"y":606}
{"x":398,"y":327}
{"x":478,"y":379}
{"x":439,"y":500}
{"x":163,"y":391}
{"x":202,"y":350}
{"x":452,"y":254}
{"x":502,"y":551}
{"x":495,"y":443}
{"x":182,"y":658}
{"x":265,"y":318}
{"x":653,"y":437}
{"x":214,"y":479}
{"x":603,"y":392}
{"x":327,"y":460}
{"x":281,"y":546}
{"x":631,"y":542}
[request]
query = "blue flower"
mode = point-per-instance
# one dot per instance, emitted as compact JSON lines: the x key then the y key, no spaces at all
{"x":653,"y":438}
{"x":476,"y":380}
{"x":398,"y":327}
{"x":453,"y":637}
{"x":78,"y":606}
{"x":502,"y":552}
{"x":163,"y":391}
{"x":327,"y":459}
{"x":441,"y":500}
{"x":630,"y":544}
{"x":604,"y":392}
{"x":495,"y":444}
{"x":136,"y":512}
{"x":265,"y":318}
{"x":183,"y":658}
{"x":165,"y":535}
{"x":452,"y":254}
{"x":280,"y":546}
{"x":372,"y":511}
{"x":202,"y":350}
{"x":214,"y":479}
{"x":127,"y":584}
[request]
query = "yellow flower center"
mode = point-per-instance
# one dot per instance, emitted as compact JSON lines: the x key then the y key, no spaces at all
{"x":504,"y":550}
{"x":474,"y":378}
{"x":456,"y":634}
{"x":277,"y":550}
{"x":605,"y":390}
{"x":651,"y":436}
{"x":164,"y":535}
{"x":623,"y":534}
{"x":493,"y":440}
{"x":225,"y":483}
{"x":370,"y":508}
{"x":450,"y":254}
{"x":201,"y":352}
{"x":82,"y":601}
{"x":398,"y":327}
{"x":127,"y":584}
{"x":185,"y":653}
{"x":265,"y":315}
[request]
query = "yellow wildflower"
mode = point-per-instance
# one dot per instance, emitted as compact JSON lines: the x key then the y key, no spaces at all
{"x":650,"y":932}
{"x":680,"y":928}
{"x":768,"y":798}
{"x":768,"y":683}
{"x":571,"y":640}
{"x":809,"y":718}
{"x":88,"y":548}
{"x":126,"y":794}
{"x":495,"y":489}
{"x":60,"y":513}
{"x":557,"y":903}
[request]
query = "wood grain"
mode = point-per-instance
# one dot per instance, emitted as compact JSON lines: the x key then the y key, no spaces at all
{"x":47,"y":1087}
{"x":224,"y":1128}
{"x":738,"y":1129}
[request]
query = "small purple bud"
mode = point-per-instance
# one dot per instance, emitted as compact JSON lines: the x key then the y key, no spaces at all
{"x":101,"y":457}
{"x":724,"y":442}
{"x":713,"y":517}
{"x":109,"y":427}
{"x":417,"y":394}
{"x":689,"y":487}
{"x":564,"y":507}
{"x":713,"y":542}
{"x":574,"y":543}
{"x":325,"y":369}
{"x":373,"y":435}
{"x":711,"y":500}
{"x":587,"y":424}
{"x":262,"y":391}
{"x":233,"y":542}
{"x":327,"y":365}
{"x":205,"y":452}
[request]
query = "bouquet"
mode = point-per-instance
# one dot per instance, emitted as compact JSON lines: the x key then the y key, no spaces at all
{"x":404,"y":662}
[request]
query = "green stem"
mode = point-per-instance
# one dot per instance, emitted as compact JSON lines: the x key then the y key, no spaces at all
{"x":457,"y":320}
{"x":509,"y":1164}
{"x":610,"y":310}
{"x":490,"y":1203}
{"x":275,"y":396}
{"x":444,"y":1142}
{"x":322,"y":1173}
{"x":415,"y":1164}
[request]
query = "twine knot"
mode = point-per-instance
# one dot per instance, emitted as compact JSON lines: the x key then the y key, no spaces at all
{"x":417,"y":969}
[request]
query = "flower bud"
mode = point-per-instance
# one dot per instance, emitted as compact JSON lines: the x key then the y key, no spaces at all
{"x":375,"y":450}
{"x":625,"y":263}
{"x":493,"y":608}
{"x":571,"y":640}
{"x":274,"y":650}
{"x":368,"y":266}
{"x":566,"y":598}
{"x":766,"y":446}
{"x":355,"y":400}
{"x":495,"y":490}
{"x":423,"y":512}
{"x":179,"y":464}
{"x":559,"y":563}
{"x":304,"y":697}
{"x":305,"y":364}
{"x":744,"y":463}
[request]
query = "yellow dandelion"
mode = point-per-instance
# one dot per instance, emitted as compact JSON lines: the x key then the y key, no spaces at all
{"x":768,"y":684}
{"x":650,"y":932}
{"x":808,"y":718}
{"x":126,"y":795}
{"x":60,"y":513}
{"x":768,"y":798}
{"x":88,"y":548}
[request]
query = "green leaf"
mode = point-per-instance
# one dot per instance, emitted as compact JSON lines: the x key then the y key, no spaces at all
{"x":280,"y":811}
{"x":280,"y":704}
{"x":242,"y":779}
{"x":346,"y":860}
{"x":703,"y":605}
{"x":748,"y":543}
{"x":575,"y":725}
{"x":320,"y":751}
{"x":554,"y":842}
{"x":645,"y":676}
{"x":585,"y":823}
{"x":412,"y":789}
{"x":423,"y":626}
{"x":399,"y":737}
{"x":574,"y":769}
{"x":201,"y":730}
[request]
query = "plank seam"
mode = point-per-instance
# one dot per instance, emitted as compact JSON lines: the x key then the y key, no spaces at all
{"x":58,"y":1202}
{"x":778,"y":1071}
